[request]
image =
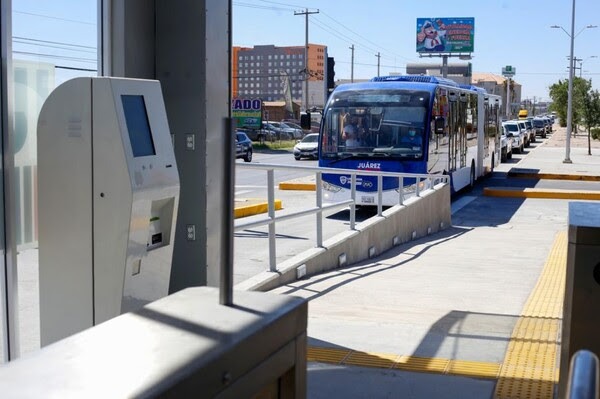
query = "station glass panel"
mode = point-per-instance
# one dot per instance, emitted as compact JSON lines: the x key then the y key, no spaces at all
{"x":53,"y":41}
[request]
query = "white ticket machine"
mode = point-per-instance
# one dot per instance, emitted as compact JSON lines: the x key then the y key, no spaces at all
{"x":108,"y":191}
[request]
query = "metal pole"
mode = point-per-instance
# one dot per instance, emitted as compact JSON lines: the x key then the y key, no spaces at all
{"x":379,"y":195}
{"x":319,"y":184}
{"x":445,"y":65}
{"x":352,"y":65}
{"x":507,"y":98}
{"x":306,"y":74}
{"x":353,"y":205}
{"x":271,"y":210}
{"x":378,"y":62}
{"x":226,"y":280}
{"x":570,"y":101}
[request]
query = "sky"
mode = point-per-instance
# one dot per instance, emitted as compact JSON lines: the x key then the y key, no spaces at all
{"x":507,"y":32}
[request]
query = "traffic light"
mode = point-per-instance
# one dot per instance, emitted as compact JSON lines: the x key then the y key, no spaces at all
{"x":330,"y":74}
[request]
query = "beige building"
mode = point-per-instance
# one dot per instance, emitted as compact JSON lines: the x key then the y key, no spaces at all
{"x":496,"y":84}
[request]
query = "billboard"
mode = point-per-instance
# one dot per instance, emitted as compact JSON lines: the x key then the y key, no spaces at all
{"x":445,"y":35}
{"x":248,"y":112}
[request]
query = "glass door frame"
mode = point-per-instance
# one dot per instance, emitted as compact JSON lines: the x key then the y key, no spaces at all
{"x":8,"y":246}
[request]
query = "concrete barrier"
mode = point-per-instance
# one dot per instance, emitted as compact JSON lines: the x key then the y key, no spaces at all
{"x":418,"y":217}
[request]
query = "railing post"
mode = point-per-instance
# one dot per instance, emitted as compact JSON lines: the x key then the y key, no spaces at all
{"x":320,"y":212}
{"x":583,"y":376}
{"x":271,"y":201}
{"x":417,"y":181}
{"x":353,"y":205}
{"x":379,"y":195}
{"x":401,"y":189}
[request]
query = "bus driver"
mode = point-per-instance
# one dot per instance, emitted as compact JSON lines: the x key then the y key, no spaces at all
{"x":350,"y":133}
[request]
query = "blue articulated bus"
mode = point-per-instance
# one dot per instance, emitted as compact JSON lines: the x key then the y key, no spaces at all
{"x":409,"y":124}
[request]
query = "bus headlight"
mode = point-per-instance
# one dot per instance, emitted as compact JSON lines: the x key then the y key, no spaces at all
{"x":331,"y":187}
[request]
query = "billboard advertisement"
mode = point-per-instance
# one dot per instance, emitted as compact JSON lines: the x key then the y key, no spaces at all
{"x":445,"y":35}
{"x":248,"y":112}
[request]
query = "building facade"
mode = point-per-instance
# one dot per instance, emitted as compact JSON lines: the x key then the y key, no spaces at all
{"x":270,"y":73}
{"x":496,"y":84}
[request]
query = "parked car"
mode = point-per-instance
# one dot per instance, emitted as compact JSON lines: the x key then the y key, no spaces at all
{"x":528,"y":132}
{"x":292,"y":128}
{"x":282,"y":132}
{"x":514,"y":131}
{"x":549,"y":124}
{"x":308,"y":147}
{"x":539,"y":126}
{"x":506,"y":144}
{"x":243,"y":146}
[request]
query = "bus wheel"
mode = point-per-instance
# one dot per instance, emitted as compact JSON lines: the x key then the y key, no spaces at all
{"x":472,"y":178}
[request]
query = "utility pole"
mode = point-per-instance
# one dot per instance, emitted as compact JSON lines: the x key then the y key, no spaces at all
{"x":306,"y":13}
{"x":352,"y":65}
{"x":508,"y":98}
{"x":378,"y":62}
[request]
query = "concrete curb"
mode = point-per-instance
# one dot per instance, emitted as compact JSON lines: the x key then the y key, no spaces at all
{"x":254,"y":207}
{"x":419,"y":217}
{"x":520,"y":192}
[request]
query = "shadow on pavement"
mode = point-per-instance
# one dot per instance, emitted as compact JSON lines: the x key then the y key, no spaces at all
{"x":373,"y":266}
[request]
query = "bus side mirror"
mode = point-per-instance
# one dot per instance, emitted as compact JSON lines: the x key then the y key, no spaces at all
{"x":439,"y":124}
{"x":305,"y":121}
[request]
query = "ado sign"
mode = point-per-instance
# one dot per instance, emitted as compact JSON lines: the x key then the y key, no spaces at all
{"x":248,"y":112}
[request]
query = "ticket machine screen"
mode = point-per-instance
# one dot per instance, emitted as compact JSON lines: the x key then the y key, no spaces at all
{"x":136,"y":118}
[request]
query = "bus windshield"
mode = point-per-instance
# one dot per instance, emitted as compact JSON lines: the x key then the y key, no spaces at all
{"x":376,"y":123}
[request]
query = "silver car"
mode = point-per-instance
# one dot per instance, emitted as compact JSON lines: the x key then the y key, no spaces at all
{"x":308,"y":147}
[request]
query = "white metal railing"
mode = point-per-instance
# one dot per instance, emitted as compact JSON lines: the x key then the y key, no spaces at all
{"x":426,"y":180}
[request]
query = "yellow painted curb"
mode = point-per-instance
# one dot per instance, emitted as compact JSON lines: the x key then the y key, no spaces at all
{"x":255,"y":209}
{"x":298,"y":186}
{"x":553,"y":176}
{"x":520,"y":192}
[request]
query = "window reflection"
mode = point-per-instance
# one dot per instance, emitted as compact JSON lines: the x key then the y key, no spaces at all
{"x":52,"y":42}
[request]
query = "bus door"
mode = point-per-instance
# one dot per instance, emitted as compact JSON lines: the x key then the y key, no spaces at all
{"x":453,"y":130}
{"x":467,"y":122}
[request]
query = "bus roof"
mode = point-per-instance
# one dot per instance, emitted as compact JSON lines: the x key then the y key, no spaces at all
{"x":474,"y":88}
{"x":415,"y":78}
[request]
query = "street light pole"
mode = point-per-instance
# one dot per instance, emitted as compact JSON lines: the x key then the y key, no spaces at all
{"x":570,"y":91}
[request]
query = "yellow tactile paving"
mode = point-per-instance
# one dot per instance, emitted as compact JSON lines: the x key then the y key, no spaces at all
{"x":326,"y":355}
{"x":379,"y":360}
{"x":422,"y":364}
{"x":530,"y":366}
{"x":473,"y":369}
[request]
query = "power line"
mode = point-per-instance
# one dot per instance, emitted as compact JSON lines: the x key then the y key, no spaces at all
{"x":75,"y":69}
{"x":60,"y":57}
{"x":53,"y":17}
{"x":362,"y":37}
{"x":51,"y":42}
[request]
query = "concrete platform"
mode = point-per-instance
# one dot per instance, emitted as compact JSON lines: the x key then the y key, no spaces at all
{"x":471,"y":312}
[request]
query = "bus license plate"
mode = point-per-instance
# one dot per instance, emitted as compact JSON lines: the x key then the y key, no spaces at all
{"x":367,"y":199}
